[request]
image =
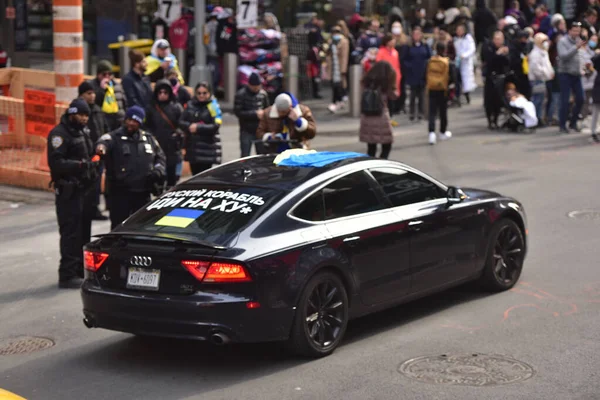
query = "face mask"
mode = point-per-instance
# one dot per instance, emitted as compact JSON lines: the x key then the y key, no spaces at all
{"x":546,"y":45}
{"x":174,"y":81}
{"x":592,"y":44}
{"x":336,"y":37}
{"x":396,"y":30}
{"x":439,"y":16}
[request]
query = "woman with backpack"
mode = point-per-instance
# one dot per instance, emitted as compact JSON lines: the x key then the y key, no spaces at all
{"x":379,"y":86}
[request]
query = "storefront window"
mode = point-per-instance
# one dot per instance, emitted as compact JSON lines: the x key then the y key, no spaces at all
{"x":39,"y":25}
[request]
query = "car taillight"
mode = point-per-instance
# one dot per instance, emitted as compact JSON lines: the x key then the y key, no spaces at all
{"x":92,"y":260}
{"x":216,"y":272}
{"x":196,"y":268}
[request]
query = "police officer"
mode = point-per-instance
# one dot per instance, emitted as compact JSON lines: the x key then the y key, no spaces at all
{"x":70,"y":152}
{"x":135,"y":166}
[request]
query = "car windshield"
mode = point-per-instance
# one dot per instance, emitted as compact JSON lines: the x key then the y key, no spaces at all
{"x":213,"y":213}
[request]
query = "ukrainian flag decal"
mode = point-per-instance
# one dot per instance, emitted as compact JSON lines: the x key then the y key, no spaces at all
{"x":179,"y":218}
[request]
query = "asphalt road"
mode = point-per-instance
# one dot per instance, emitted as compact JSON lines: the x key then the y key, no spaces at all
{"x":550,"y":321}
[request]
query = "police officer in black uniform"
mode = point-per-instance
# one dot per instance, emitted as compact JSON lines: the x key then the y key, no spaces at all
{"x":135,"y":166}
{"x":70,"y":153}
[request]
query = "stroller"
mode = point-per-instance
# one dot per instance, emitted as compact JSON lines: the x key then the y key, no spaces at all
{"x":514,"y":121}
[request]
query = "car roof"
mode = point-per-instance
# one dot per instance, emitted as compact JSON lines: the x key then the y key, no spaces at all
{"x":261,"y":171}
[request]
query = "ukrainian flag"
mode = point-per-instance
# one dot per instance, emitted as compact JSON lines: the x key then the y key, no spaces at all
{"x":179,"y":218}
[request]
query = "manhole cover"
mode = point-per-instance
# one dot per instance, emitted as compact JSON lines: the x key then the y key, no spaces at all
{"x":24,"y":344}
{"x":584,"y":214}
{"x":466,"y":369}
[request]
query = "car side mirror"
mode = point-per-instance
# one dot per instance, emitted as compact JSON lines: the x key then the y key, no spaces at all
{"x":455,"y":195}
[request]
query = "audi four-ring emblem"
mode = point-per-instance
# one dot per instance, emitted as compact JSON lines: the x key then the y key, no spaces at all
{"x":141,"y":261}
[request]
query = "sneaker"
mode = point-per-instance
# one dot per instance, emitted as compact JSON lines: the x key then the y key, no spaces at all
{"x":432,"y":138}
{"x":98,"y":216}
{"x":576,"y":128}
{"x":411,"y":118}
{"x":394,"y":123}
{"x":446,"y":135}
{"x":345,"y":99}
{"x":73,"y":283}
{"x":595,"y":137}
{"x":332,"y":108}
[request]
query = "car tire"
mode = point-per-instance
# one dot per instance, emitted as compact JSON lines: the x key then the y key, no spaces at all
{"x":505,"y":256}
{"x":321,"y":317}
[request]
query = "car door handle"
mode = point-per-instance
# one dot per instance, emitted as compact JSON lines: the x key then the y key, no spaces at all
{"x":415,"y":223}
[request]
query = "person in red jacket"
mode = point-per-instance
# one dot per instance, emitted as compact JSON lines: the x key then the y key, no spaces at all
{"x":388,"y":53}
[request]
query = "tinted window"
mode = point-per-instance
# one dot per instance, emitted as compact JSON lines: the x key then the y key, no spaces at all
{"x":404,"y":187}
{"x":311,"y":209}
{"x":212,"y":213}
{"x":350,"y":195}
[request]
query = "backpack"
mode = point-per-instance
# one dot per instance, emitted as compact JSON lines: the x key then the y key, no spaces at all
{"x":438,"y":73}
{"x":371,"y":103}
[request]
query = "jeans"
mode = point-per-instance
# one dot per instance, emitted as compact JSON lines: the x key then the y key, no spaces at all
{"x":246,"y":143}
{"x":438,"y":102}
{"x":385,"y":150}
{"x":538,"y":101}
{"x":416,"y":92}
{"x":553,"y":105}
{"x":569,"y":83}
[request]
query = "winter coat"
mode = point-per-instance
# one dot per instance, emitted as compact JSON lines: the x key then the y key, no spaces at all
{"x":343,"y":54}
{"x":203,"y":146}
{"x":377,"y":128}
{"x":484,"y":21}
{"x":496,"y":65}
{"x":540,"y":68}
{"x":114,"y":120}
{"x":544,"y":24}
{"x":304,"y":129}
{"x":568,"y":56}
{"x":587,"y":79}
{"x":162,"y":120}
{"x":68,"y":146}
{"x":130,"y":160}
{"x":97,"y":123}
{"x":393,"y":58}
{"x":465,"y":53}
{"x":596,"y":89}
{"x":137,"y":89}
{"x":414,"y":60}
{"x":246,"y":104}
{"x":368,"y":40}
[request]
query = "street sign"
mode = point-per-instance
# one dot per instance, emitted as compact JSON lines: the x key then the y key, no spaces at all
{"x":169,"y":10}
{"x":40,"y":116}
{"x":247,"y":14}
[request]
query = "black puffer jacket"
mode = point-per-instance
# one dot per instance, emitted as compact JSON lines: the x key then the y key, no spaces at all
{"x":246,"y":104}
{"x":97,"y":123}
{"x":203,"y":146}
{"x":162,"y":120}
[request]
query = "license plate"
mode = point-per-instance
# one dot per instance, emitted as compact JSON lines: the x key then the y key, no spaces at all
{"x":139,"y":278}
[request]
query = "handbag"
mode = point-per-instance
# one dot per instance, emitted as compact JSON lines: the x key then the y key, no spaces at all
{"x":538,"y":87}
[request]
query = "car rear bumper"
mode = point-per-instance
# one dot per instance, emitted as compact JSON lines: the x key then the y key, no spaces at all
{"x":197,"y":316}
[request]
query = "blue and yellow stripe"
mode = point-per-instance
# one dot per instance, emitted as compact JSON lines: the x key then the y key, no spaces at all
{"x":179,"y":218}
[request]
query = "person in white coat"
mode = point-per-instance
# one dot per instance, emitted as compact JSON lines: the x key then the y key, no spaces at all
{"x":465,"y":55}
{"x":588,"y":73}
{"x":540,"y":71}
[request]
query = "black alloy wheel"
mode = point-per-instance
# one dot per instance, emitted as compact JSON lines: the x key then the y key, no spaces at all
{"x":321,"y":316}
{"x":506,"y":254}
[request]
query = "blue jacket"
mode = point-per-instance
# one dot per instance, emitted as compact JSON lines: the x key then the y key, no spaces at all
{"x":137,"y":90}
{"x":414,"y":62}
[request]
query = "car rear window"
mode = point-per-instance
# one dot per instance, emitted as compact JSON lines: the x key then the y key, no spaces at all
{"x":212,"y":213}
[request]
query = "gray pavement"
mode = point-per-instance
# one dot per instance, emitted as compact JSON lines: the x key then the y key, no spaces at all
{"x":550,"y":320}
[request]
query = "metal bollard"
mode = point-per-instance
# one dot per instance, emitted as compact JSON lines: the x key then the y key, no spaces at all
{"x":86,"y":58}
{"x":124,"y":61}
{"x":181,"y":55}
{"x":355,"y":90}
{"x":230,"y":71}
{"x":292,"y":75}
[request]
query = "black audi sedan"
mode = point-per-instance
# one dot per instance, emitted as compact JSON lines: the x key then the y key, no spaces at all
{"x":266,"y":250}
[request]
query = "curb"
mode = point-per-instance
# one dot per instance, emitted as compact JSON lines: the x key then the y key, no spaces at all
{"x":16,"y":194}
